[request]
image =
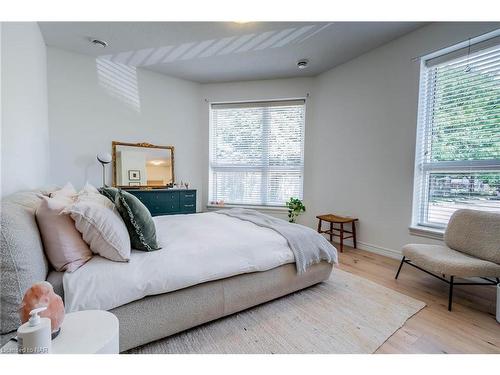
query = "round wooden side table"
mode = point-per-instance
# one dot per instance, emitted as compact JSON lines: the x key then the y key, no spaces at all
{"x":83,"y":332}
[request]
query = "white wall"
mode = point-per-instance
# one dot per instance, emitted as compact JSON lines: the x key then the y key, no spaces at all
{"x":89,"y":108}
{"x":25,"y":142}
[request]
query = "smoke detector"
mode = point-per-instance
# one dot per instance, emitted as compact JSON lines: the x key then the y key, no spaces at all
{"x":99,"y":43}
{"x":302,"y":63}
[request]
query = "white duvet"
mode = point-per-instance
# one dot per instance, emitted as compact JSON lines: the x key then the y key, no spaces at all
{"x":195,"y":249}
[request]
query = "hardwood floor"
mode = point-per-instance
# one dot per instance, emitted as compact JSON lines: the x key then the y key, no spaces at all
{"x":470,"y":328}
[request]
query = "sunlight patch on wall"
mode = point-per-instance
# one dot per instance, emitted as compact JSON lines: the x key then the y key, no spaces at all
{"x":119,"y":80}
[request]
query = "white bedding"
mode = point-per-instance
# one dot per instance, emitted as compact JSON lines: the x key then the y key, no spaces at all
{"x":195,"y":249}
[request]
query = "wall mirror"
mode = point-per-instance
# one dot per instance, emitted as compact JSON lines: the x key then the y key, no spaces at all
{"x":142,"y":165}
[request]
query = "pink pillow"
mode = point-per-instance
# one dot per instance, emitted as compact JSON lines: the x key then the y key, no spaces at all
{"x":63,"y":244}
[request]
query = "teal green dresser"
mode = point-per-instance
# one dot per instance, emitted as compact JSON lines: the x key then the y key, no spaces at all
{"x":167,"y":201}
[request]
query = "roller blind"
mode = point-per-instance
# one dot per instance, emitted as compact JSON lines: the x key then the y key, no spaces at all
{"x":256,"y":152}
{"x":458,"y":139}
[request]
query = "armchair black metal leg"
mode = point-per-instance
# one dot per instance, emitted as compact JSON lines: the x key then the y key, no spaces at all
{"x":451,"y":293}
{"x":451,"y":282}
{"x":400,"y":266}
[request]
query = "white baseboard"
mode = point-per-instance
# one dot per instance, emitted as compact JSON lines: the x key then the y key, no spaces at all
{"x":390,"y":253}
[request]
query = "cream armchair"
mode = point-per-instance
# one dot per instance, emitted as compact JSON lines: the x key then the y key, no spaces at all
{"x":472,"y":249}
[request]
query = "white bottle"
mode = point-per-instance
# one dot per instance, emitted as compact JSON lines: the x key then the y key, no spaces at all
{"x":34,"y":336}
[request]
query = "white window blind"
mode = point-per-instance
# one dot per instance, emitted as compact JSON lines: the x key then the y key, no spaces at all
{"x":257,"y":152}
{"x":458,"y":140}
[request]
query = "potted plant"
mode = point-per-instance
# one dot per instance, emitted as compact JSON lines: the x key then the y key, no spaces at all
{"x":295,"y":207}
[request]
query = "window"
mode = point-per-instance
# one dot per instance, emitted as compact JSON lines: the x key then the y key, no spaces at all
{"x":458,"y":140}
{"x":256,"y":152}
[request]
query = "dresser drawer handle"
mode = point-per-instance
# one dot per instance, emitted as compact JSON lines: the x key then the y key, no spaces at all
{"x":189,"y":205}
{"x":189,"y":195}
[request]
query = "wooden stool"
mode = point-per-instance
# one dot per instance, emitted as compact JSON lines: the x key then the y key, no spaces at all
{"x":334,"y":219}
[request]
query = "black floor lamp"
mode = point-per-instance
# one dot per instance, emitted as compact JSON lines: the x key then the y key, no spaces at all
{"x":104,"y":158}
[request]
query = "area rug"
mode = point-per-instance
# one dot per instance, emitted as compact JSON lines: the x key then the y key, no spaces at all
{"x":345,"y":314}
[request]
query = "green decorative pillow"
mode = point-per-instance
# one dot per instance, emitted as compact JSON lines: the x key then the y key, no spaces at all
{"x":138,"y":220}
{"x":109,"y":192}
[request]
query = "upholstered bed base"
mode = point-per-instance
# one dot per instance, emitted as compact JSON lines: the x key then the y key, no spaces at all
{"x":156,"y":317}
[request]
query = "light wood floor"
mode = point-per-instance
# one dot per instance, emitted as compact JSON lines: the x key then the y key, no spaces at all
{"x":470,"y":328}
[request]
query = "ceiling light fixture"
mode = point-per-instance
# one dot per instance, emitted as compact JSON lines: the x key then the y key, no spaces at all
{"x":99,"y":43}
{"x":157,"y":162}
{"x":302,"y":63}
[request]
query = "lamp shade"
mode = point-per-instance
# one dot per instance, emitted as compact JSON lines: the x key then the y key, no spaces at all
{"x":104,"y":157}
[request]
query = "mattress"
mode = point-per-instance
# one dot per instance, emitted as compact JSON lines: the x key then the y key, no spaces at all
{"x":196,"y":248}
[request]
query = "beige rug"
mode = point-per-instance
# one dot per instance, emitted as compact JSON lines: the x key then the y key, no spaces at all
{"x":346,"y":314}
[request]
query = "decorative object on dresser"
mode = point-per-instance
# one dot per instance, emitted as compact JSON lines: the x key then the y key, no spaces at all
{"x":142,"y":165}
{"x":167,"y":201}
{"x":340,"y":231}
{"x":471,"y":250}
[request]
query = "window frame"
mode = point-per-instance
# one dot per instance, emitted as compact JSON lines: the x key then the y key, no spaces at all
{"x":423,"y":165}
{"x":265,"y":169}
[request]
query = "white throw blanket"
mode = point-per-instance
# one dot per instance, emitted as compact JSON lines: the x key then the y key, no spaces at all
{"x":308,"y":246}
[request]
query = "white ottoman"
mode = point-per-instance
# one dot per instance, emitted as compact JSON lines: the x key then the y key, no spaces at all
{"x":83,"y":332}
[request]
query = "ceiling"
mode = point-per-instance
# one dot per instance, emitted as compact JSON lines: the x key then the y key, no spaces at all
{"x":226,"y":51}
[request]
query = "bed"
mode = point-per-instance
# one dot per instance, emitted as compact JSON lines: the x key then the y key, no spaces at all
{"x":210,"y":266}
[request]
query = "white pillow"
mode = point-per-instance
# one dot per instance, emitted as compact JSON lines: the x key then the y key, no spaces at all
{"x":102,"y":229}
{"x":66,"y":192}
{"x":90,"y":193}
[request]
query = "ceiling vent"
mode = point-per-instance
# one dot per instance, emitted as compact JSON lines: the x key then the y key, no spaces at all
{"x":302,"y":63}
{"x":99,"y":43}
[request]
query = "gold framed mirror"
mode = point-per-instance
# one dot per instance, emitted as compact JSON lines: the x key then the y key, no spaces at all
{"x":142,"y":166}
